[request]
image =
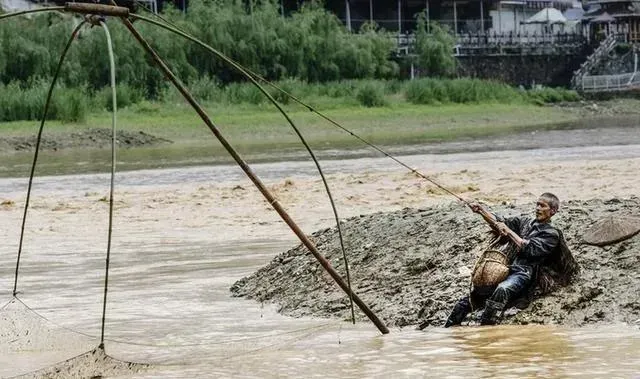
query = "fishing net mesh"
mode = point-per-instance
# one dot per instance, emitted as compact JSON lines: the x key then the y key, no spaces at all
{"x":33,"y":347}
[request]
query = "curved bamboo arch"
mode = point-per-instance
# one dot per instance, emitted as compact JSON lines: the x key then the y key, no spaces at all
{"x":123,"y":14}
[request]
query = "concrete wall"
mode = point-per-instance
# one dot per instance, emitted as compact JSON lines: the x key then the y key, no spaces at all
{"x":548,"y":70}
{"x":509,"y":19}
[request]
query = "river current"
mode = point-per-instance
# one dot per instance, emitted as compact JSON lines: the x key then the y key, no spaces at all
{"x":169,"y":303}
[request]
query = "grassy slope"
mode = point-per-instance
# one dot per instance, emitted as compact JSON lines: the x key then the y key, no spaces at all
{"x":252,"y":125}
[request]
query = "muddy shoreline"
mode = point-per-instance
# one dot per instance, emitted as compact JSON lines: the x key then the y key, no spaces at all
{"x":584,"y":114}
{"x":98,"y":138}
{"x":410,"y":266}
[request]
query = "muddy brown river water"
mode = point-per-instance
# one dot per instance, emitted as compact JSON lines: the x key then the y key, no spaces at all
{"x":183,"y":236}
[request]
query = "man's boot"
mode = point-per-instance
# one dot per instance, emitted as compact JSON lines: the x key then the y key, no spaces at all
{"x":459,"y":312}
{"x":490,"y":313}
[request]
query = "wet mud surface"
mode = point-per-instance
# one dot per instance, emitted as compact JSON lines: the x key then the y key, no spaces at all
{"x":410,"y":266}
{"x":91,"y":138}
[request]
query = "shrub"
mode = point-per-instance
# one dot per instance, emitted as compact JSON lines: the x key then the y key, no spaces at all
{"x":71,"y":105}
{"x":18,"y":103}
{"x":126,"y":95}
{"x":552,"y":95}
{"x":371,"y":94}
{"x":206,"y":89}
{"x":237,"y":93}
{"x":430,"y":91}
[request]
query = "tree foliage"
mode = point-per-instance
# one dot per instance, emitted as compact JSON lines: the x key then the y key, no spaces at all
{"x":310,"y":45}
{"x":434,"y":49}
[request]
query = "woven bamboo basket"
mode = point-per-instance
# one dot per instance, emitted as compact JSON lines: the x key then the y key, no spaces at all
{"x":491,"y":269}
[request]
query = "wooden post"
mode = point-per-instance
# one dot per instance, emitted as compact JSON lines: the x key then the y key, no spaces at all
{"x":371,"y":11}
{"x":347,"y":14}
{"x":515,"y":19}
{"x":399,"y":18}
{"x":481,"y":17}
{"x":428,"y":17}
{"x":524,"y":13}
{"x":455,"y":18}
{"x":500,"y":17}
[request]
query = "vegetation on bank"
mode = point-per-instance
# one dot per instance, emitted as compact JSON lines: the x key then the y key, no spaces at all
{"x":311,"y":45}
{"x":330,"y":65}
{"x":74,"y":104}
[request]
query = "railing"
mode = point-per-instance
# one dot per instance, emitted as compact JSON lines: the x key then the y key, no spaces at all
{"x":404,"y":43}
{"x":610,"y":83}
{"x":519,"y":44}
{"x":479,"y":39}
{"x":491,"y":43}
{"x":596,"y":57}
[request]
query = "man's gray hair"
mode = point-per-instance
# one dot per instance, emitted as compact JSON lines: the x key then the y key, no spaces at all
{"x":552,"y":199}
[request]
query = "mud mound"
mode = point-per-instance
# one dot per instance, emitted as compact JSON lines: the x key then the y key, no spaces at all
{"x":411,"y":266}
{"x":91,"y":138}
{"x":22,"y":331}
{"x":93,"y":364}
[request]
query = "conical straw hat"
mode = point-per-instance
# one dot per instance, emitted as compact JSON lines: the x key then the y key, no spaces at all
{"x":611,"y":229}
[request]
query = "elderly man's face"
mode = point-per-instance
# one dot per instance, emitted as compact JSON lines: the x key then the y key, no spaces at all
{"x":543,"y":210}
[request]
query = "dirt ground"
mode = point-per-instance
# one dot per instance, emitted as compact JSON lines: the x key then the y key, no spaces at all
{"x":90,"y":138}
{"x":410,"y":265}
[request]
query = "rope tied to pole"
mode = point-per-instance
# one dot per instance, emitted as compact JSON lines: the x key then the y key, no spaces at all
{"x":257,"y":182}
{"x":247,"y":73}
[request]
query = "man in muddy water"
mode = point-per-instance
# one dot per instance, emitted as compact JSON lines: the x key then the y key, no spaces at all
{"x":533,"y":240}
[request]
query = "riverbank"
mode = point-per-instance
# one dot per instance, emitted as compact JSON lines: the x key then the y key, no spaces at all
{"x":259,"y":127}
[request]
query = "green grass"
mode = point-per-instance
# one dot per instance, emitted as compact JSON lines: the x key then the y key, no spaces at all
{"x":262,"y":125}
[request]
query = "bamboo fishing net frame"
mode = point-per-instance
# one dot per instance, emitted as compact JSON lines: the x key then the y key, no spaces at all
{"x":94,"y":14}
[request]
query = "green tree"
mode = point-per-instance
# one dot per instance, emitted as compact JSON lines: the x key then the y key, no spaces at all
{"x":434,"y":49}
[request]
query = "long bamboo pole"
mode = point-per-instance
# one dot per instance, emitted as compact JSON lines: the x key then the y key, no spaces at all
{"x":254,"y":79}
{"x":256,"y":181}
{"x":45,"y":111}
{"x":114,"y":107}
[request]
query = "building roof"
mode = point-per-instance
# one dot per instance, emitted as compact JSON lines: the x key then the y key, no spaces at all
{"x":596,"y":11}
{"x":547,"y":16}
{"x":573,"y":14}
{"x":603,"y":18}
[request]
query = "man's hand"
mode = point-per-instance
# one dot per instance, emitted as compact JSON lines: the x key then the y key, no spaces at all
{"x":504,"y":230}
{"x":475,"y":207}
